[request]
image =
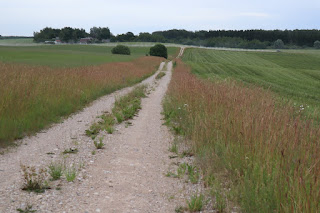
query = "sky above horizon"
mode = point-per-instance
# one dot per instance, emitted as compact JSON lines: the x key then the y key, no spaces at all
{"x":21,"y":17}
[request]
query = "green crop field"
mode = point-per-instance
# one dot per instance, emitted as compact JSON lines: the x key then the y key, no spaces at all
{"x":17,"y":41}
{"x":69,"y":55}
{"x":294,"y":75}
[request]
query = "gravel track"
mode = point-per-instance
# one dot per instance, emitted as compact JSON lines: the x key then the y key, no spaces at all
{"x":127,"y":176}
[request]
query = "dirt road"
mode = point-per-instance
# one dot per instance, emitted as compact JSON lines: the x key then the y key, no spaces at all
{"x":127,"y":176}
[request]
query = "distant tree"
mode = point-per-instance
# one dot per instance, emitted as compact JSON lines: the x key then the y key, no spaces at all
{"x":317,"y":44}
{"x":146,"y":37}
{"x":45,"y":34}
{"x":94,"y":32}
{"x":121,"y":49}
{"x":159,"y":50}
{"x":78,"y":34}
{"x":66,"y":34}
{"x":278,"y":44}
{"x":105,"y":33}
{"x":100,"y":33}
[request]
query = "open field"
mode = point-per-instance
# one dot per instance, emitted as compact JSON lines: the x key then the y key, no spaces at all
{"x":294,"y":75}
{"x":69,"y":55}
{"x":34,"y":96}
{"x":251,"y":150}
{"x":20,"y":41}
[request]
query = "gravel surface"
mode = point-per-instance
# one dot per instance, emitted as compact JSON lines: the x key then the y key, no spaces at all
{"x":127,"y":176}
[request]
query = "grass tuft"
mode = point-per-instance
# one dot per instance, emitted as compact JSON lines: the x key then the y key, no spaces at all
{"x":100,"y":144}
{"x":196,"y":203}
{"x":56,"y":170}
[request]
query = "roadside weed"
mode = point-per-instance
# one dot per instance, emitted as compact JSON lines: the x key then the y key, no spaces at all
{"x":196,"y":203}
{"x":174,"y":148}
{"x":34,"y":179}
{"x":70,"y":151}
{"x":100,"y":144}
{"x":27,"y":209}
{"x":55,"y":170}
{"x":70,"y":173}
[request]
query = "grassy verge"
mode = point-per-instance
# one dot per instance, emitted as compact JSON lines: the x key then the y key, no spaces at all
{"x":33,"y":97}
{"x":266,"y":153}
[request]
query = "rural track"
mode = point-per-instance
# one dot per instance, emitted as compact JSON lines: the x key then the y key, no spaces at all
{"x":127,"y":176}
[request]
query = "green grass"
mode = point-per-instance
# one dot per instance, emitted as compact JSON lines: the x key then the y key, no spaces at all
{"x":127,"y":106}
{"x":65,"y":55}
{"x":69,"y":55}
{"x":294,"y":75}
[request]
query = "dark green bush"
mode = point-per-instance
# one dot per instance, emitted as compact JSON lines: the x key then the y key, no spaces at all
{"x":121,"y":49}
{"x":159,"y":50}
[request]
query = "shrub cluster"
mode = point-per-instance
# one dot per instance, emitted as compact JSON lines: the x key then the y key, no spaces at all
{"x":121,"y":49}
{"x":159,"y":50}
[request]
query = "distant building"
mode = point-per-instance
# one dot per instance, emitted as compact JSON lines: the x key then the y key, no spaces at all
{"x":49,"y":42}
{"x":105,"y":40}
{"x":57,"y":41}
{"x":85,"y":40}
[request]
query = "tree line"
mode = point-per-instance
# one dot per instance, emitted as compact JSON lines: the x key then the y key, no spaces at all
{"x":68,"y":34}
{"x":252,"y":39}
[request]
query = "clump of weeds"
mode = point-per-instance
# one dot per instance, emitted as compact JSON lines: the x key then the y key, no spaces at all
{"x":174,"y":148}
{"x":34,"y":179}
{"x":27,"y":209}
{"x":182,"y":170}
{"x":193,"y":173}
{"x":196,"y":203}
{"x":56,"y":170}
{"x":70,"y":151}
{"x":93,"y":131}
{"x":100,"y":144}
{"x":71,"y":173}
{"x":160,"y":75}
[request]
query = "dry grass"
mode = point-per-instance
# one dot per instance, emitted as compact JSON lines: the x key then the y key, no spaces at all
{"x":34,"y":96}
{"x":270,"y":154}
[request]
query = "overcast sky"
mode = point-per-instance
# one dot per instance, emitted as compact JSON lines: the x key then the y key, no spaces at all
{"x":23,"y":17}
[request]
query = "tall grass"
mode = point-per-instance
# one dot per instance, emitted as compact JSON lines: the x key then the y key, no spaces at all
{"x":270,"y":154}
{"x":34,"y":96}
